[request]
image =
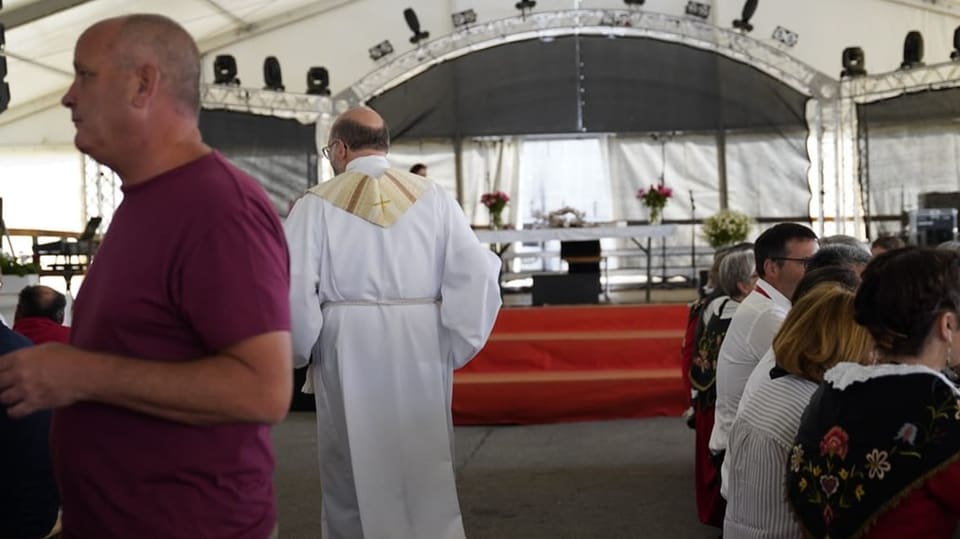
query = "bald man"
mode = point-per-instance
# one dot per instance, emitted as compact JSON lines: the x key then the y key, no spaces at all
{"x":180,"y":351}
{"x":39,"y":315}
{"x":391,"y":284}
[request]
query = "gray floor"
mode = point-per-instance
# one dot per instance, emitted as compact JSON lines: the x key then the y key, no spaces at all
{"x":611,"y":479}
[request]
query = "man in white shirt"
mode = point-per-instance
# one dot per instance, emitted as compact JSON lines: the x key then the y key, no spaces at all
{"x":390,"y":291}
{"x":782,"y":252}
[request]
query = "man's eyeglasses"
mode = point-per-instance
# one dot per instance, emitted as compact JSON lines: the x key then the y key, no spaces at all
{"x":329,"y":148}
{"x":803,"y":261}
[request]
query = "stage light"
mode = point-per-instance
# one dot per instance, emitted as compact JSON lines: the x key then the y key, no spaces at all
{"x":743,"y":23}
{"x":785,"y":36}
{"x":414,"y":23}
{"x":854,"y":63}
{"x":634,"y":3}
{"x":955,"y":55}
{"x":700,"y":10}
{"x":272,"y":77}
{"x":318,"y":81}
{"x":525,"y":6}
{"x":378,"y":51}
{"x":464,"y":18}
{"x":225,"y":70}
{"x":912,"y":50}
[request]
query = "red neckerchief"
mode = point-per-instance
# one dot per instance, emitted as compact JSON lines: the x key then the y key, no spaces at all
{"x":762,"y":292}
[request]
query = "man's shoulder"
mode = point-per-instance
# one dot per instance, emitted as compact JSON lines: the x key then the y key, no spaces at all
{"x":10,"y":340}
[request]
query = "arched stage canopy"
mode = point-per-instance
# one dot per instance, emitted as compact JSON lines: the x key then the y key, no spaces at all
{"x":589,"y":84}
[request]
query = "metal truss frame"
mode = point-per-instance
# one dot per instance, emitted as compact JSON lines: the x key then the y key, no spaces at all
{"x":690,"y":31}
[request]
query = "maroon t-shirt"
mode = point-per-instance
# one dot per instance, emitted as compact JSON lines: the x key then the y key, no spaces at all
{"x":194,"y":261}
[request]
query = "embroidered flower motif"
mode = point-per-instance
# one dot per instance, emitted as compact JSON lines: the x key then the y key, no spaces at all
{"x":829,"y":484}
{"x":834,"y":442}
{"x":815,"y":471}
{"x":827,"y":515}
{"x":796,"y":458}
{"x":843,"y":474}
{"x":802,"y":484}
{"x":877,"y":464}
{"x":859,"y":492}
{"x":907,"y":433}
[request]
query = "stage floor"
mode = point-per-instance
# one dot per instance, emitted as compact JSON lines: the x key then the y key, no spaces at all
{"x":574,"y":363}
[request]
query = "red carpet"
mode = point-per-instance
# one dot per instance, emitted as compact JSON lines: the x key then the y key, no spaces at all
{"x":553,"y":364}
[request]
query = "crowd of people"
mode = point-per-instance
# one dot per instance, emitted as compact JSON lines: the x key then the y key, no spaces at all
{"x":824,"y":404}
{"x":823,"y":399}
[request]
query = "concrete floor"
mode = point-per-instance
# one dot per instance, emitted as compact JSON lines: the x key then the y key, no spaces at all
{"x":613,"y":479}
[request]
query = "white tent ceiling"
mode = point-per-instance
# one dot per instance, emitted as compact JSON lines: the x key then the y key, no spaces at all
{"x":41,"y":35}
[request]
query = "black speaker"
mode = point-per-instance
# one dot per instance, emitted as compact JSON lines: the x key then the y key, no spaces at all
{"x":933,"y":226}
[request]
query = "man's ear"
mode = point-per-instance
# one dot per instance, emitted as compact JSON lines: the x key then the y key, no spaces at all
{"x":148,"y":84}
{"x":770,"y":267}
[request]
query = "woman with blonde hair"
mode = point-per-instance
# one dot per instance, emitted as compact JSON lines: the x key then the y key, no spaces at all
{"x":818,"y":333}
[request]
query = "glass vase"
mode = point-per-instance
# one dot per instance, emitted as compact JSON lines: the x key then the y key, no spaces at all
{"x":496,"y":220}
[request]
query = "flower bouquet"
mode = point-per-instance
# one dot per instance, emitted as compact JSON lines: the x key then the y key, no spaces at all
{"x":495,"y":201}
{"x":726,"y":228}
{"x":655,"y":199}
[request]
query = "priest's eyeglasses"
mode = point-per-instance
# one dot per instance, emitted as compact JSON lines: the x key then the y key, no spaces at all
{"x":329,"y":148}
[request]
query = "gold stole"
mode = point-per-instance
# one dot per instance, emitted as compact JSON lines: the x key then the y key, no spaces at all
{"x":380,"y":201}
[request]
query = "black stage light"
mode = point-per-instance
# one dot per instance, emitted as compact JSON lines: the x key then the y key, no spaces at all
{"x":225,"y":70}
{"x":464,"y":18}
{"x":743,"y":23}
{"x":318,"y":81}
{"x":700,"y":10}
{"x":525,"y":6}
{"x":272,"y":77}
{"x":633,"y":3}
{"x":912,"y":50}
{"x":414,"y":23}
{"x":380,"y":50}
{"x":854,"y":62}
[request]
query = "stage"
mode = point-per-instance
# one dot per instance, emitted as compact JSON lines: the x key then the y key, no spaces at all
{"x":575,"y":363}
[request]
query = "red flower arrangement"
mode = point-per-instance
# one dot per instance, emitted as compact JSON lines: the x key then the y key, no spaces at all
{"x":495,"y":201}
{"x":656,"y":199}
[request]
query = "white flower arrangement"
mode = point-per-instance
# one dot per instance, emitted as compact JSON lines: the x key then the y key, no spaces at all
{"x":726,"y":228}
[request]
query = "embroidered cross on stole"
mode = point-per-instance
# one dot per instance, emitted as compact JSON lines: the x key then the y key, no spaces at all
{"x":380,"y":201}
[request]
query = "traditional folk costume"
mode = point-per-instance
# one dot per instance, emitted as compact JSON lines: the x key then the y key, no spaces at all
{"x":391,"y":292}
{"x":877,"y":454}
{"x":703,"y":377}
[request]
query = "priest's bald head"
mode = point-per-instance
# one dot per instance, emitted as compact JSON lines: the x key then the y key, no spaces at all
{"x":357,"y":132}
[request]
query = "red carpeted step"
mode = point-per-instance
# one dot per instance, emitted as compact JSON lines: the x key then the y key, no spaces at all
{"x":575,"y":363}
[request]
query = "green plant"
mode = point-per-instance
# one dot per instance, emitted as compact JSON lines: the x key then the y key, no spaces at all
{"x":10,"y":265}
{"x":727,"y":227}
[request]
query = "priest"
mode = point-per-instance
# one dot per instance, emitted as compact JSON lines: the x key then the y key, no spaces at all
{"x":391,"y":292}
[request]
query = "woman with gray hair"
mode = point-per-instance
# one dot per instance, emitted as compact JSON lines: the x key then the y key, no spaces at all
{"x":737,"y":276}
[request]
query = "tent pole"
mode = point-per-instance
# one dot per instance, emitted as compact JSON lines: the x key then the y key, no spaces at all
{"x":722,"y":167}
{"x":458,"y":160}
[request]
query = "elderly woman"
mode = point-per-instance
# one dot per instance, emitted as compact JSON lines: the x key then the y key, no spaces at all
{"x":736,"y":278}
{"x":877,"y":450}
{"x":818,"y":332}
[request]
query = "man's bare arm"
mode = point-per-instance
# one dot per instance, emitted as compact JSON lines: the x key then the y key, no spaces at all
{"x":250,"y":381}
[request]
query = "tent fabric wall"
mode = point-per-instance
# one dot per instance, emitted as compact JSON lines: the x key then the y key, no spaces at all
{"x":911,"y":146}
{"x":280,"y":153}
